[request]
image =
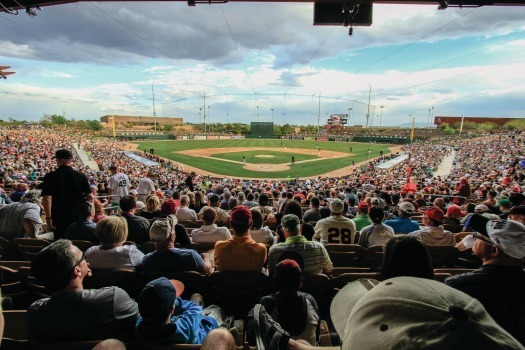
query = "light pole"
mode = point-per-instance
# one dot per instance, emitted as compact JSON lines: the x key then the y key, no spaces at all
{"x":200,"y":115}
{"x":409,"y":120}
{"x":257,"y":113}
{"x":208,"y":111}
{"x":432,"y":114}
{"x":272,"y":115}
{"x":381,"y":116}
{"x":283,"y":118}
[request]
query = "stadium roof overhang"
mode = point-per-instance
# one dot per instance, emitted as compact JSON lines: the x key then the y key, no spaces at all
{"x":348,"y":13}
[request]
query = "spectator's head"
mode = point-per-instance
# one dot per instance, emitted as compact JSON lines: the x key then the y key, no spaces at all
{"x":414,"y":313}
{"x":288,"y":277}
{"x":215,"y":200}
{"x":406,"y":209}
{"x":257,"y":218}
{"x":168,"y":207}
{"x":481,"y":208}
{"x":184,"y":201}
{"x":362,"y":208}
{"x":60,"y":265}
{"x":163,"y":230}
{"x":176,"y":195}
{"x":498,"y":242}
{"x":128,"y":204}
{"x":406,"y":256}
{"x":32,"y":196}
{"x":263,"y":200}
{"x":503,"y":204}
{"x":209,"y":215}
{"x":63,"y":157}
{"x":518,"y":214}
{"x":112,"y":231}
{"x":291,"y":225}
{"x":113,"y":169}
{"x":86,"y":210}
{"x":240,"y":220}
{"x":293,"y":207}
{"x":439,"y":203}
{"x":157,"y":301}
{"x":152,"y":203}
{"x":250,"y":197}
{"x":433,"y":217}
{"x":455,"y":212}
{"x":314,"y":202}
{"x":376,"y":214}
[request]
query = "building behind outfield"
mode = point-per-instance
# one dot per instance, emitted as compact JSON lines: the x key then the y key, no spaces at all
{"x":141,"y":121}
{"x":438,"y":120}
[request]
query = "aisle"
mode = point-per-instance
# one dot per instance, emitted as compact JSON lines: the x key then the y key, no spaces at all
{"x":446,"y":165}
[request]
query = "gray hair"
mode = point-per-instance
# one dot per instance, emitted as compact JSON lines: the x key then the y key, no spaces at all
{"x":32,"y":196}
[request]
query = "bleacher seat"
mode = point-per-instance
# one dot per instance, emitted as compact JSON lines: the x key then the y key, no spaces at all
{"x":28,"y":247}
{"x":443,"y":255}
{"x":129,"y":280}
{"x":343,"y":255}
{"x":373,"y":256}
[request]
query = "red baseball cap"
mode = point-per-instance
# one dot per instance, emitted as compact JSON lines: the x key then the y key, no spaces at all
{"x":435,"y":214}
{"x":454,"y":210}
{"x":241,"y":214}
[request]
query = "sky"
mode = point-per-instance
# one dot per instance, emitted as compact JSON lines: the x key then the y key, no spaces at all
{"x":244,"y":62}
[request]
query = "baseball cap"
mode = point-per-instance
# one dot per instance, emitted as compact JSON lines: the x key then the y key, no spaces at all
{"x":161,"y":229}
{"x":63,"y":154}
{"x":157,"y":298}
{"x":503,"y":202}
{"x":435,"y":214}
{"x":480,"y":208}
{"x":133,"y":192}
{"x":509,"y":236}
{"x":337,"y":206}
{"x":290,"y":220}
{"x":407,"y":207}
{"x":454,"y":210}
{"x":241,"y":214}
{"x":519,"y":210}
{"x":413,"y":313}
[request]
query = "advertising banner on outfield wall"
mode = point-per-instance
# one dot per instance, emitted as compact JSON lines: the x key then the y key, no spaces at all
{"x":182,"y":137}
{"x":199,"y":137}
{"x":308,"y":138}
{"x":322,"y":138}
{"x":237,"y":137}
{"x":226,"y":137}
{"x":213,"y":137}
{"x":297,"y":138}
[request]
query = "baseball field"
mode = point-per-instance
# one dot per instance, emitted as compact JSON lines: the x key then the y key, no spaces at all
{"x":266,"y":158}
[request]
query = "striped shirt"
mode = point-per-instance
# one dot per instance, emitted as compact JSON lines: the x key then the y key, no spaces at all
{"x":314,"y":254}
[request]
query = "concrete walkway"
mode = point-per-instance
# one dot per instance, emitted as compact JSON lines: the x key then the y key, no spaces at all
{"x":446,"y":165}
{"x":91,"y":163}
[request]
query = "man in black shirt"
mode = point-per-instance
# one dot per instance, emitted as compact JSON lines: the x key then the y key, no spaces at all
{"x":63,"y":191}
{"x":500,"y":283}
{"x":138,"y":227}
{"x":189,"y":181}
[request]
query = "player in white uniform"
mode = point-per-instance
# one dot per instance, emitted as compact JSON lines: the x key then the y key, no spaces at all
{"x":336,"y":228}
{"x":118,"y":184}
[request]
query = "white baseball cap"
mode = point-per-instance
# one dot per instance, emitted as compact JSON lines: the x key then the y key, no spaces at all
{"x":414,"y":313}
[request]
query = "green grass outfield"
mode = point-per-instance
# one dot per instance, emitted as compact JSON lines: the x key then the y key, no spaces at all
{"x":307,"y":169}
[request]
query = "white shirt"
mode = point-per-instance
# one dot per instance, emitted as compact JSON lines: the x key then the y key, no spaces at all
{"x":186,"y":214}
{"x":210,"y":234}
{"x":119,"y":185}
{"x":126,"y":256}
{"x":263,"y":235}
{"x":335,"y":229}
{"x":435,"y":236}
{"x":146,"y":185}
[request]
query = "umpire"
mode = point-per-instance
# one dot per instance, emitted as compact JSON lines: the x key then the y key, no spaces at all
{"x":63,"y":191}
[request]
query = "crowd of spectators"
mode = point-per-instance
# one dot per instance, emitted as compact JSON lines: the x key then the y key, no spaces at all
{"x":256,"y":224}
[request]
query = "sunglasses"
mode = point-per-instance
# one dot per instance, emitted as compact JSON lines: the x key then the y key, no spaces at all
{"x":80,"y":261}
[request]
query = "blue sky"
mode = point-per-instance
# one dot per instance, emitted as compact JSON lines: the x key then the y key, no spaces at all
{"x":91,"y":59}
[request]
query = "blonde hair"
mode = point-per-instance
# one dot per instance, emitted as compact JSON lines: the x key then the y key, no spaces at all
{"x":112,"y":230}
{"x":152,"y":203}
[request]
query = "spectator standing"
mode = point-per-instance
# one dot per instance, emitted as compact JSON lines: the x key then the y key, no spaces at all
{"x":118,"y":185}
{"x":63,"y":191}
